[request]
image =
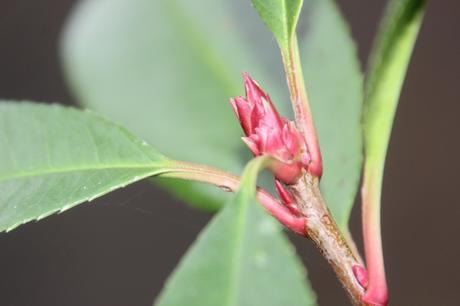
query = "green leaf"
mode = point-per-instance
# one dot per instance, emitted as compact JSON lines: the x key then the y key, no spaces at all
{"x":281,"y":17}
{"x":165,"y":69}
{"x":53,"y":158}
{"x":240,"y":259}
{"x":335,"y":87}
{"x":389,"y":60}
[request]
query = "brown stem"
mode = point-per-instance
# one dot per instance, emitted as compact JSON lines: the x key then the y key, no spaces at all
{"x":324,"y":232}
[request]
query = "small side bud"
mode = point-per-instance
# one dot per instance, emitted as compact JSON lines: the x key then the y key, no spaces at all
{"x":286,"y":198}
{"x":361,"y":275}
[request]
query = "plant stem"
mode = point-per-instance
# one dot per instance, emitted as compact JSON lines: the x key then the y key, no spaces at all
{"x":324,"y":232}
{"x":301,"y":106}
{"x":322,"y":228}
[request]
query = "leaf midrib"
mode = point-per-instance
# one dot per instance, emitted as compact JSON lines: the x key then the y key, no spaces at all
{"x":51,"y":171}
{"x":286,"y":18}
{"x":238,"y":250}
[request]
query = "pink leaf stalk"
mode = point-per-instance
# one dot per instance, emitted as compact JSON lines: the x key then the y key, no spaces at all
{"x":228,"y":182}
{"x":268,"y":133}
{"x":377,"y":291}
{"x":286,"y":198}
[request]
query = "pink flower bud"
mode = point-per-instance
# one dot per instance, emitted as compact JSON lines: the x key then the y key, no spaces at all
{"x":268,"y":133}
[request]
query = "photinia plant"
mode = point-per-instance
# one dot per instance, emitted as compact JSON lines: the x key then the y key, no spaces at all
{"x":165,"y":71}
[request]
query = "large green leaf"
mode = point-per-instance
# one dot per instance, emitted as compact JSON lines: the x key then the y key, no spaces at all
{"x":166,"y":70}
{"x":240,"y":259}
{"x":281,"y":17}
{"x":53,"y":158}
{"x":335,"y":86}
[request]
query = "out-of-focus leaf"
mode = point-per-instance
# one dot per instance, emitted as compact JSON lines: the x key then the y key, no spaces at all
{"x":240,"y":259}
{"x":53,"y":158}
{"x":165,"y":69}
{"x":335,"y":87}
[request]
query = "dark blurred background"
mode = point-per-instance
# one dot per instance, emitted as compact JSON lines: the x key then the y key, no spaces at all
{"x":119,"y":249}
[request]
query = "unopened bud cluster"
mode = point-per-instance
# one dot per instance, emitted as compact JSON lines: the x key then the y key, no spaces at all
{"x":269,"y":134}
